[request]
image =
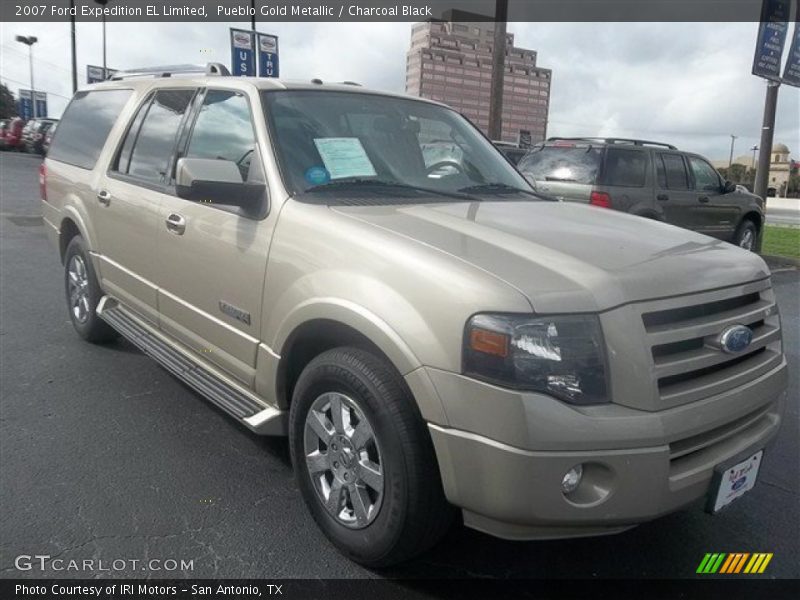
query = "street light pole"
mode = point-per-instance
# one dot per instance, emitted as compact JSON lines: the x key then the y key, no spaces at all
{"x":29,"y":41}
{"x":754,"y":149}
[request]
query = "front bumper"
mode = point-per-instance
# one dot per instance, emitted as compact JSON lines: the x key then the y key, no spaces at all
{"x":502,"y":454}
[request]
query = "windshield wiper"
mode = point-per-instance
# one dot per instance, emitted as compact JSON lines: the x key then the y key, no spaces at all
{"x":386,"y":186}
{"x":497,"y":188}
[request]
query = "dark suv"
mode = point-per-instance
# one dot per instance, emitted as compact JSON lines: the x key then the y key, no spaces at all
{"x":649,"y":179}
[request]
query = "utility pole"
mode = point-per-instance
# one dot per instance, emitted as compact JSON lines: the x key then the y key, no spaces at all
{"x":498,"y":71}
{"x":767,"y":131}
{"x":730,"y":160}
{"x":29,"y":41}
{"x":72,"y":45}
{"x":103,"y":4}
{"x":754,"y":149}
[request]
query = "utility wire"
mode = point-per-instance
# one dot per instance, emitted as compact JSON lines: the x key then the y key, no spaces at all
{"x":27,"y":84}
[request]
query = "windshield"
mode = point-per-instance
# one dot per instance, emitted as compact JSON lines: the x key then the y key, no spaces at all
{"x":572,"y":164}
{"x":329,"y":140}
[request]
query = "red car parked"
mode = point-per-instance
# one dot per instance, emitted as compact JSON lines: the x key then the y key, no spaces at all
{"x":12,"y":134}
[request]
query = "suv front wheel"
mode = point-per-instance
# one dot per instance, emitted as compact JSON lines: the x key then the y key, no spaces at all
{"x":363,"y":459}
{"x":745,"y":236}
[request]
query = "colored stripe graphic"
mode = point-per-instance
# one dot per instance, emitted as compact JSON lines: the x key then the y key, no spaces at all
{"x":733,"y":563}
{"x":729,"y":562}
{"x":741,"y":562}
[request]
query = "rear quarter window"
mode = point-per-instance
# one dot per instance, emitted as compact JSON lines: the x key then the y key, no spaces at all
{"x":84,"y":128}
{"x":625,"y":168}
{"x":569,"y":164}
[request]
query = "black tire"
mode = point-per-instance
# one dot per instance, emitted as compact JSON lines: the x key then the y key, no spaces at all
{"x":746,"y":235}
{"x":413,"y":514}
{"x":91,"y":328}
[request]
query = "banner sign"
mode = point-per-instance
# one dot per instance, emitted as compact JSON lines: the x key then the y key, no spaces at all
{"x":791,"y":73}
{"x":94,"y":74}
{"x":40,"y":98}
{"x":771,"y":39}
{"x":268,"y":55}
{"x":25,"y":105}
{"x":243,"y":53}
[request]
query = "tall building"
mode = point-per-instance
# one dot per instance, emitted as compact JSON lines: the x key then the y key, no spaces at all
{"x":452,"y":63}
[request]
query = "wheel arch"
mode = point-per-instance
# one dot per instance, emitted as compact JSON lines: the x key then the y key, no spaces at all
{"x":72,"y":224}
{"x":315,"y":328}
{"x":754,"y":216}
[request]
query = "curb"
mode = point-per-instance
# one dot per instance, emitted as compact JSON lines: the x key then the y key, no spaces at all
{"x":781,"y":262}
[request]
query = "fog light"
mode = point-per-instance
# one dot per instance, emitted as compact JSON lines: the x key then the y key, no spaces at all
{"x":572,"y":479}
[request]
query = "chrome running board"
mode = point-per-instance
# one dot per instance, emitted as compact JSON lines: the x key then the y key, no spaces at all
{"x":236,"y":401}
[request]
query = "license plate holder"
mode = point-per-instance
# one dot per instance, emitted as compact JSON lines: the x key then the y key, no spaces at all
{"x":732,"y":480}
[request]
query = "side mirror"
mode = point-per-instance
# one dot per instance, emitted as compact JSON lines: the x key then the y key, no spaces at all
{"x":217,"y":182}
{"x":728,"y":187}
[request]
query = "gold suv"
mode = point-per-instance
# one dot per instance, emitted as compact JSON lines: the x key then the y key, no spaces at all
{"x":365,"y":273}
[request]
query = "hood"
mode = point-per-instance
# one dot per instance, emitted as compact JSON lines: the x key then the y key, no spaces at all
{"x":568,"y":257}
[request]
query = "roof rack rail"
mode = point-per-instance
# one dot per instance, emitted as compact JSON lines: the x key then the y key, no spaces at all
{"x":355,"y":83}
{"x":603,"y":140}
{"x":211,"y":69}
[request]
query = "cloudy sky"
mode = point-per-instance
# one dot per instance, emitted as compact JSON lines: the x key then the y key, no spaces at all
{"x":684,"y":83}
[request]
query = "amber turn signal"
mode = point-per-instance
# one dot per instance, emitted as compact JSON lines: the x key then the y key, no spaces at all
{"x":489,"y":342}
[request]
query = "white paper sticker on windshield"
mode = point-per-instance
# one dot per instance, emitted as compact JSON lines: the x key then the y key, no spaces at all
{"x":344,"y":157}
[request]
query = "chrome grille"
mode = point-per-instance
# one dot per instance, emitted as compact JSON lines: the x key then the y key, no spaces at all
{"x":687,"y":362}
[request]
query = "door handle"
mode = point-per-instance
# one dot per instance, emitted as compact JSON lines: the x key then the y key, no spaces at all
{"x":104,"y":197}
{"x":176,"y":224}
{"x":662,"y":197}
{"x":703,"y":199}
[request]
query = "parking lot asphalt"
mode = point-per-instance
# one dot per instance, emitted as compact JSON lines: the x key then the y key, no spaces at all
{"x":105,"y":456}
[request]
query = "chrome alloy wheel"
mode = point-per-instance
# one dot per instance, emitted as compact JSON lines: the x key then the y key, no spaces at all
{"x":343,"y":459}
{"x":78,"y":288}
{"x":748,"y":239}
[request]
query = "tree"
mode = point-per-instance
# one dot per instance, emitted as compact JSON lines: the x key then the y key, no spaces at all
{"x":8,"y":106}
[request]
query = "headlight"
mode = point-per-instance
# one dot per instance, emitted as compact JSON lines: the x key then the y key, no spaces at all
{"x":562,"y":356}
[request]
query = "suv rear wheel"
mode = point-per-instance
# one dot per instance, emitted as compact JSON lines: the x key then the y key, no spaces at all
{"x":745,"y":236}
{"x":363,"y":459}
{"x":83,"y":293}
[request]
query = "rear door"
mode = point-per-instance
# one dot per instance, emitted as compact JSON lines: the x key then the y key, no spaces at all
{"x":675,"y":199}
{"x":129,"y":195}
{"x":565,"y":170}
{"x":717,"y":212}
{"x":211,"y":268}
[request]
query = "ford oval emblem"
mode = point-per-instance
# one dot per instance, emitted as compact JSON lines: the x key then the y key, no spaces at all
{"x":735,"y":339}
{"x":739,"y":483}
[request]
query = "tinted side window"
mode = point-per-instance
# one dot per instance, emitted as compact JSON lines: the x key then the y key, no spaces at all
{"x":224,"y":130}
{"x":155,"y":139}
{"x":625,"y":167}
{"x":672,"y":172}
{"x":705,"y":176}
{"x":85,"y":126}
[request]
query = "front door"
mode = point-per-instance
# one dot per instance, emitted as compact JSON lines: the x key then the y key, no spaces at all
{"x":212,"y":259}
{"x":718,"y":211}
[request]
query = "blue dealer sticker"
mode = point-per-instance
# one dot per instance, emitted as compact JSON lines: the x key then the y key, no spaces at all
{"x":317,"y":175}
